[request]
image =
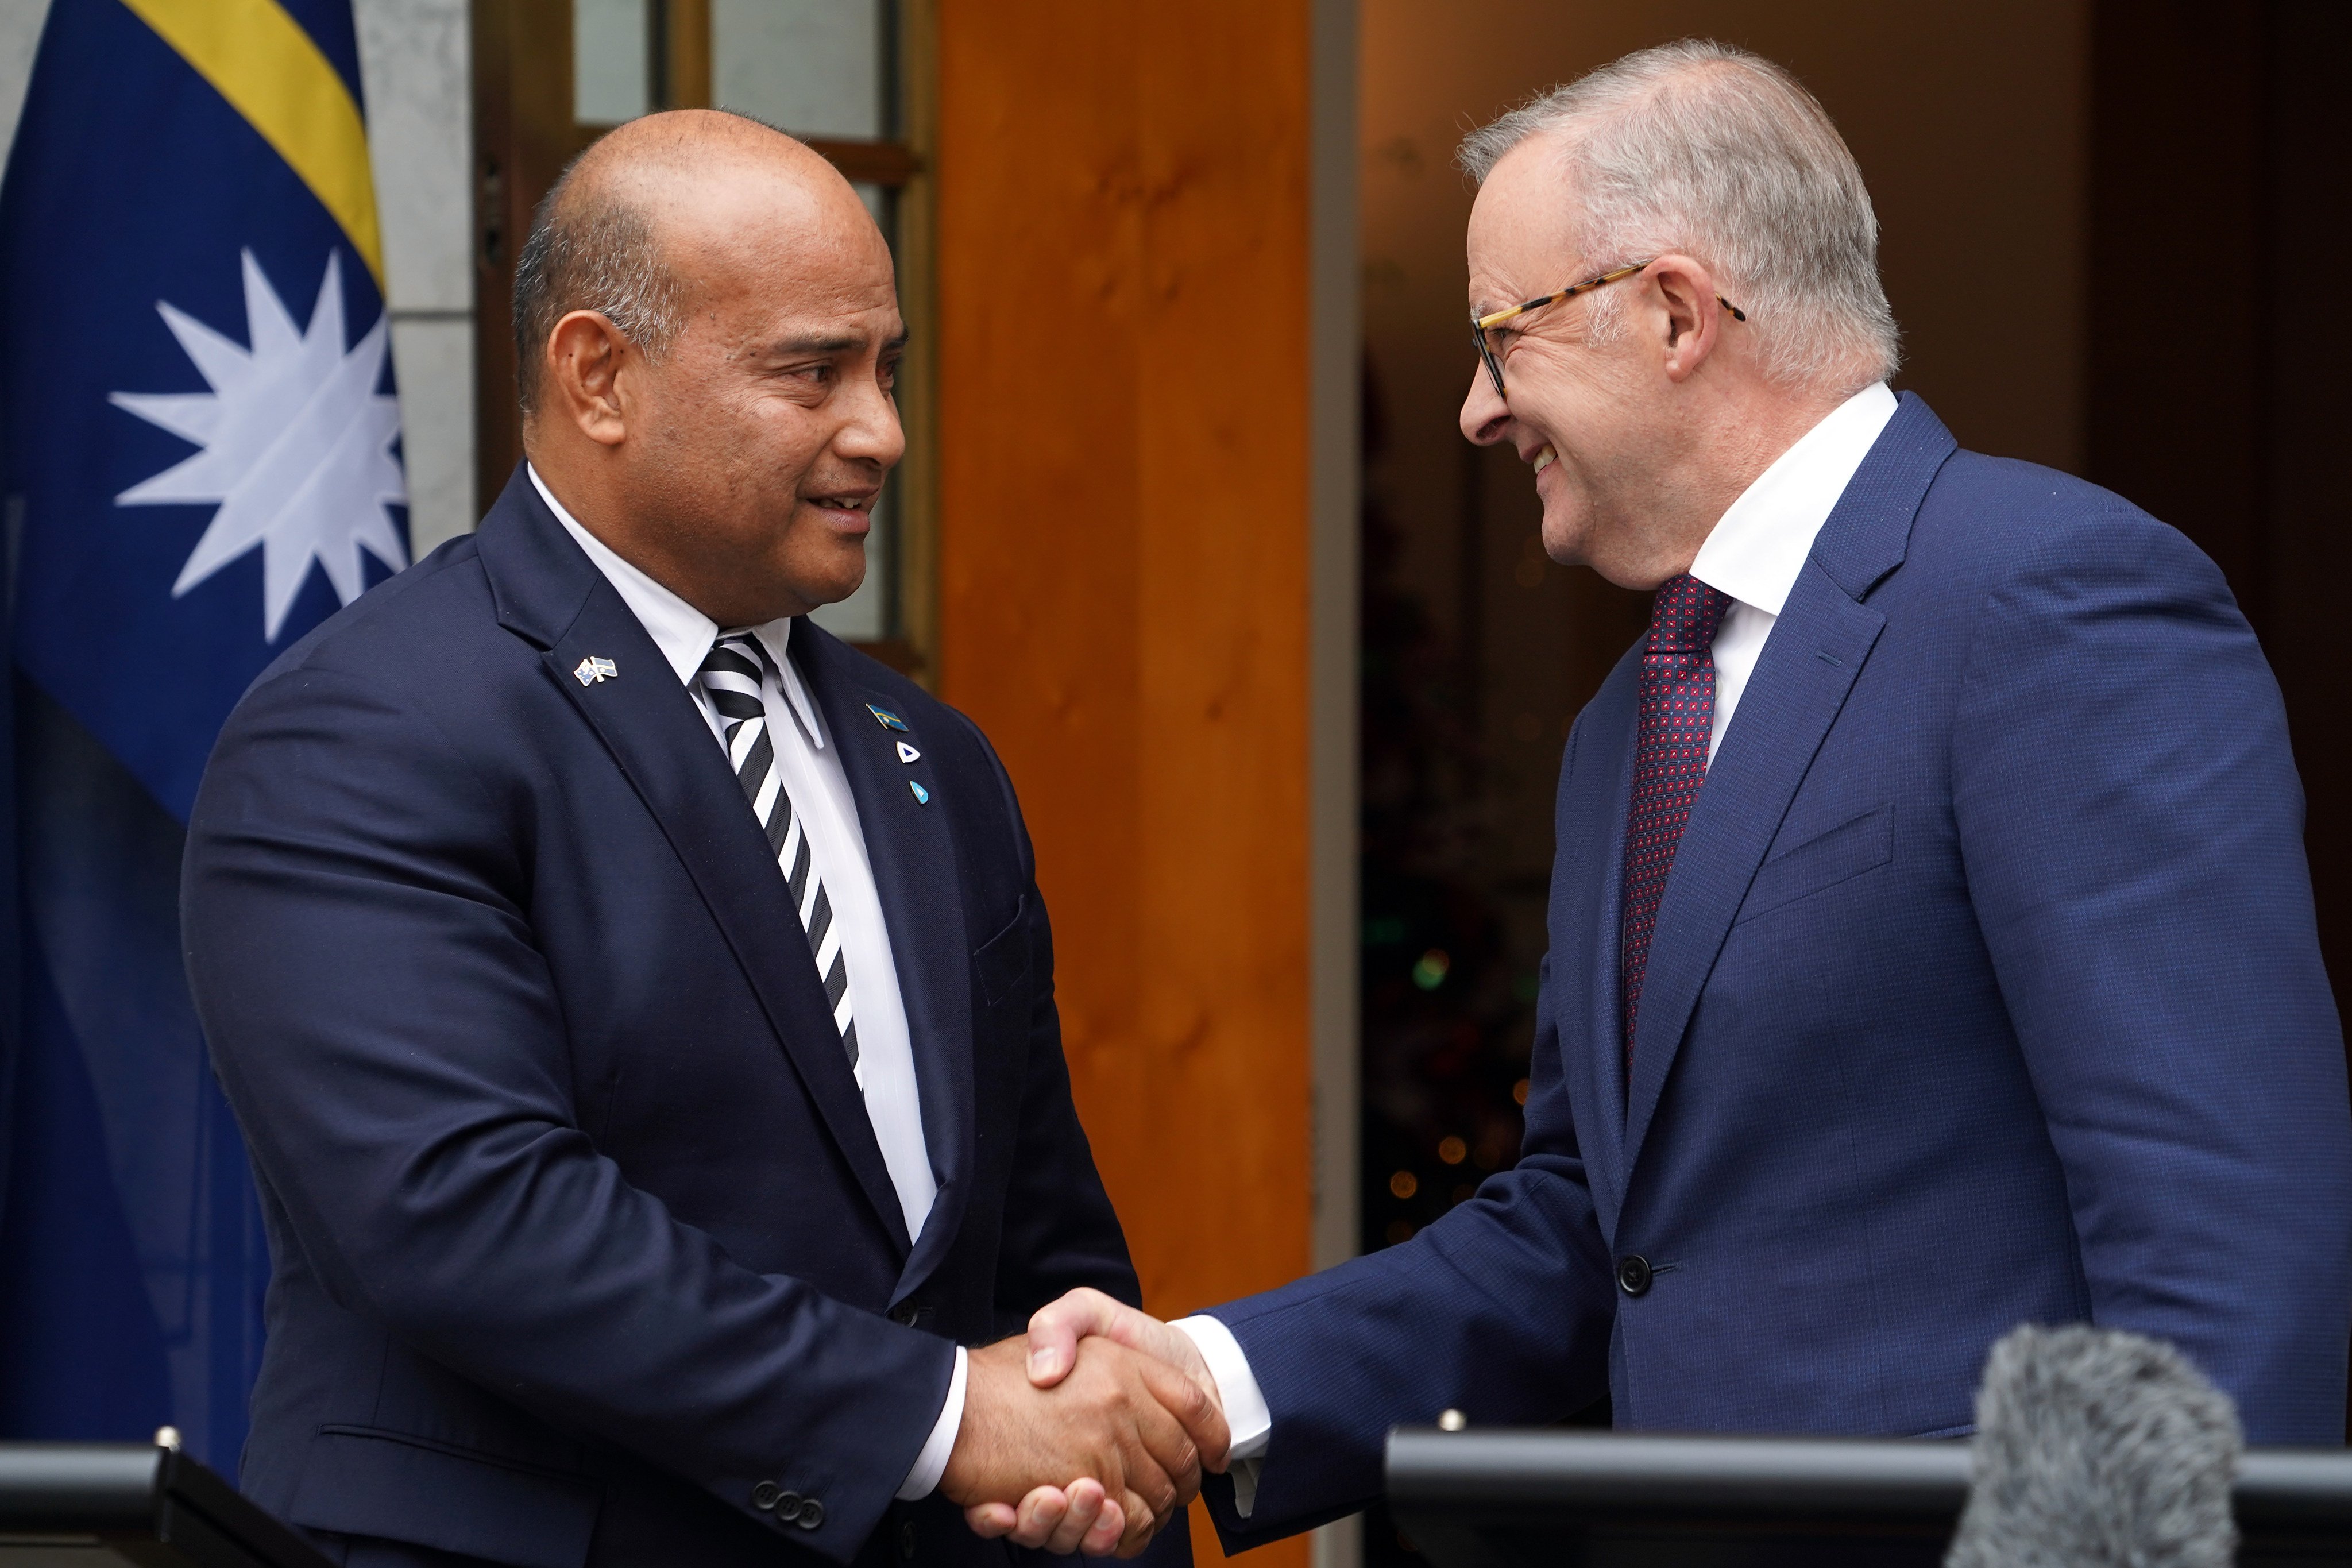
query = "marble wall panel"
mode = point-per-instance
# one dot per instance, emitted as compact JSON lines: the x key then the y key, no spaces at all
{"x":433,"y":358}
{"x":414,"y":65}
{"x":20,"y":30}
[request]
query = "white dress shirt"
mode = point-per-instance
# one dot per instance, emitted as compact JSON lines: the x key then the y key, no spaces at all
{"x":1759,"y":546}
{"x":819,"y":789}
{"x":1754,"y":553}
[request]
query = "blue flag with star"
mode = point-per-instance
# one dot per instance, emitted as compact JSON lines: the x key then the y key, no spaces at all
{"x":199,"y":462}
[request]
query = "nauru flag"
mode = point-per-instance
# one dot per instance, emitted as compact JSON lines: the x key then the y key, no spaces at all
{"x":199,"y":462}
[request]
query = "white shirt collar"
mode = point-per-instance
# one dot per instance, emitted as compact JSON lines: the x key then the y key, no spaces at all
{"x":1759,"y":545}
{"x":683,"y":633}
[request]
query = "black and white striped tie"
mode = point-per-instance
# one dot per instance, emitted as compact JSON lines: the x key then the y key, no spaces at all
{"x":733,"y":675}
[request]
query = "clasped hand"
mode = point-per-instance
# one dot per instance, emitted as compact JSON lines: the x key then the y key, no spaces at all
{"x":1089,"y":1435}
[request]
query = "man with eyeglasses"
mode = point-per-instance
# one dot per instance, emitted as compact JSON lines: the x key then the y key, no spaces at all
{"x":1932,"y":946}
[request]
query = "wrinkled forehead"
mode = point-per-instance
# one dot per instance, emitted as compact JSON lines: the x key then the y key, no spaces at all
{"x":1520,"y":233}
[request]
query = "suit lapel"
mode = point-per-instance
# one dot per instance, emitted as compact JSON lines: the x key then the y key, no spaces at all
{"x":1800,"y":682}
{"x":912,"y":851}
{"x":1591,"y":902}
{"x":550,"y":593}
{"x":1809,"y":666}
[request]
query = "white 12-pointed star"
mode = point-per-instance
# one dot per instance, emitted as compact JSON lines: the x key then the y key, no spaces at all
{"x":297,"y":447}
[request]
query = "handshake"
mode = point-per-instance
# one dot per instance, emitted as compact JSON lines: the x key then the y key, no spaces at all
{"x":1089,"y":1436}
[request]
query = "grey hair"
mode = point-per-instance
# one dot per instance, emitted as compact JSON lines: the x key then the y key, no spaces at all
{"x":592,"y":252}
{"x":1702,"y":148}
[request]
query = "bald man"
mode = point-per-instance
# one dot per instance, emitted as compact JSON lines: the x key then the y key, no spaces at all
{"x":640,"y":1004}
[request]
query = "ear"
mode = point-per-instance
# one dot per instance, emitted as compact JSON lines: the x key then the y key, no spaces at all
{"x":1685,"y":296}
{"x":581,"y":376}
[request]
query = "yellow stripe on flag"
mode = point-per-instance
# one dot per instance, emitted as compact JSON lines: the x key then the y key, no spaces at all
{"x":261,"y":60}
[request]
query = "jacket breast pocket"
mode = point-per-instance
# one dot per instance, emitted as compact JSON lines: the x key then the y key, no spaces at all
{"x":1846,"y":851}
{"x":1001,"y":964}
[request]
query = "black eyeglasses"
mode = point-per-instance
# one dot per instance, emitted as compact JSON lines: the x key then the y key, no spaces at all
{"x":1489,"y":348}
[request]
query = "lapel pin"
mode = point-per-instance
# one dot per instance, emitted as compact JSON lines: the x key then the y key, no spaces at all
{"x":593,"y":669}
{"x":887,"y":720}
{"x":907,"y":753}
{"x":922,"y":795}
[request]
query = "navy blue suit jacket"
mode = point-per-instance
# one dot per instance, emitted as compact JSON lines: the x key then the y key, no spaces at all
{"x":580,"y":1229}
{"x":1985,"y":990}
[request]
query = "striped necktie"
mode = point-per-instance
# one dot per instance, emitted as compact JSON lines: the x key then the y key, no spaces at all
{"x":733,"y":676}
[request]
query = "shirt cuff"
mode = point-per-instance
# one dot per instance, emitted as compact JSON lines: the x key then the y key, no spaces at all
{"x":932,"y":1462}
{"x":1247,"y":1416}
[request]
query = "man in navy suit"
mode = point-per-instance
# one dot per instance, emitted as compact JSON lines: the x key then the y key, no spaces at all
{"x":1932,"y":946}
{"x":638,"y":1004}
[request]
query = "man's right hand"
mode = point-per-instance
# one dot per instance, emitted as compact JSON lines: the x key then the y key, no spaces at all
{"x":1126,"y":1420}
{"x":1059,"y":1328}
{"x":1074,"y":1517}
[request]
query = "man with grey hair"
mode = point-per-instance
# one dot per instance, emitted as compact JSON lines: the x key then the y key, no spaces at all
{"x":638,"y":1004}
{"x":1932,"y":946}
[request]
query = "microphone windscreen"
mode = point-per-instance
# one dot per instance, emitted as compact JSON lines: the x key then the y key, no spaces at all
{"x":2095,"y":1448}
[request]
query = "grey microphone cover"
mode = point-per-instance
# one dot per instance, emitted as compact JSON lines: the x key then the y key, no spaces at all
{"x":2095,"y":1448}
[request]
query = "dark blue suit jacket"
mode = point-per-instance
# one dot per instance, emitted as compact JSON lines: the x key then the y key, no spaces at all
{"x":580,"y":1228}
{"x":1985,"y":991}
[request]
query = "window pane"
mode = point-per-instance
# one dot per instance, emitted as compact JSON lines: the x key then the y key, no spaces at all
{"x":611,"y":73}
{"x":812,"y":66}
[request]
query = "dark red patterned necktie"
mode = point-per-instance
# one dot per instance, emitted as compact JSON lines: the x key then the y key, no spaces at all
{"x":1670,"y":762}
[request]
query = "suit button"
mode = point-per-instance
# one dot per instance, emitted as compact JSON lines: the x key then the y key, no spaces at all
{"x":766,"y":1495}
{"x":1633,"y":1274}
{"x":906,"y":1540}
{"x":811,"y":1514}
{"x":904,"y":1313}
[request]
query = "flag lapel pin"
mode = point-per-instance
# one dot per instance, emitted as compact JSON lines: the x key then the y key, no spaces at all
{"x":593,"y":669}
{"x":887,"y":720}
